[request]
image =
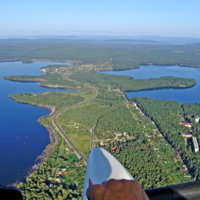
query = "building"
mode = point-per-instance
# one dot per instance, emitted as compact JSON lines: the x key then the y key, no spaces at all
{"x":67,"y":149}
{"x":195,"y":144}
{"x":114,"y":148}
{"x":124,"y":133}
{"x":186,"y":124}
{"x":59,"y":179}
{"x":196,"y":117}
{"x":102,"y":143}
{"x":186,"y":135}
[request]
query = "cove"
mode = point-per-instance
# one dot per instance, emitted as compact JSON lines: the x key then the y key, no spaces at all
{"x":22,"y":138}
{"x":188,"y":95}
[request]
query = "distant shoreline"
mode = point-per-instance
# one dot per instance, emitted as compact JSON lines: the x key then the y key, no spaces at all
{"x":35,"y":60}
{"x":161,"y":88}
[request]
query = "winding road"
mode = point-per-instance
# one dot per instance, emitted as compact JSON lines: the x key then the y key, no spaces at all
{"x":92,"y":136}
{"x":62,"y":133}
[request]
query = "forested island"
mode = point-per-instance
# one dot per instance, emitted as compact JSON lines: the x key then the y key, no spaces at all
{"x":124,"y":83}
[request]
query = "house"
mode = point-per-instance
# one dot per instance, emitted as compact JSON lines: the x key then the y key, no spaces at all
{"x":186,"y":135}
{"x":196,"y":117}
{"x":184,"y":167}
{"x":76,"y":183}
{"x":59,"y":179}
{"x":59,"y":172}
{"x":186,"y":124}
{"x":134,"y":105}
{"x":118,"y":134}
{"x":114,"y":148}
{"x":102,"y":143}
{"x":124,"y":133}
{"x":63,"y":168}
{"x":195,"y":144}
{"x":67,"y":149}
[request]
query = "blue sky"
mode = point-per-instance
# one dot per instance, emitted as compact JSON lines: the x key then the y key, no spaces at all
{"x":100,"y":17}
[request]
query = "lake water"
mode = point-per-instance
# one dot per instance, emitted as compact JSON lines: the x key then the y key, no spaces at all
{"x":189,"y":95}
{"x":22,"y":138}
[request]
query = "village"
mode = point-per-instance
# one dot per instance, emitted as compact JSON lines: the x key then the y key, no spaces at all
{"x":68,"y":70}
{"x":168,"y":155}
{"x":190,"y":136}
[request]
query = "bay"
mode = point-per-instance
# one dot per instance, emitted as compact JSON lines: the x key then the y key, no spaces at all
{"x":185,"y":95}
{"x":22,"y":138}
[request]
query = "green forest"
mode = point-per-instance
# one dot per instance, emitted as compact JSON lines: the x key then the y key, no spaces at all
{"x":124,"y":57}
{"x":45,"y":80}
{"x":56,"y":99}
{"x":167,"y":115}
{"x":127,"y":83}
{"x":143,"y":164}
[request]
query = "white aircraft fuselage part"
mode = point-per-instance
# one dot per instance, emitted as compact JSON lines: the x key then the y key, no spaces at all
{"x":102,"y":166}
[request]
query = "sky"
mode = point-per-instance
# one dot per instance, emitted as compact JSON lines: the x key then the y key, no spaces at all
{"x":179,"y":18}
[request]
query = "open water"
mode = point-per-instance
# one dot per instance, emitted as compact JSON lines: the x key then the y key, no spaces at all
{"x":22,"y":138}
{"x":189,"y":95}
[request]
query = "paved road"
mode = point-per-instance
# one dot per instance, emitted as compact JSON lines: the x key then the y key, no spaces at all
{"x":92,"y":136}
{"x":62,"y":133}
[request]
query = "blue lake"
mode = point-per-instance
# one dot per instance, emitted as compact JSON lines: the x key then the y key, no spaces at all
{"x":22,"y":138}
{"x":189,"y":95}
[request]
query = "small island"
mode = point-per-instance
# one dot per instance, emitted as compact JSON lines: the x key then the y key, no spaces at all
{"x":69,"y":76}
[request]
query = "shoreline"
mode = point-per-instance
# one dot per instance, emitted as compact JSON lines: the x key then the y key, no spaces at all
{"x":161,"y":88}
{"x":41,"y":158}
{"x":51,"y":108}
{"x":48,"y":149}
{"x":58,"y":86}
{"x":75,"y":61}
{"x":39,"y":60}
{"x":149,"y":64}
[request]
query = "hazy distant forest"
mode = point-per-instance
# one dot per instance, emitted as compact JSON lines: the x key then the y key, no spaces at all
{"x":118,"y":56}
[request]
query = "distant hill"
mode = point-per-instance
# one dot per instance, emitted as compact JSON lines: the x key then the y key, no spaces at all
{"x":134,"y":41}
